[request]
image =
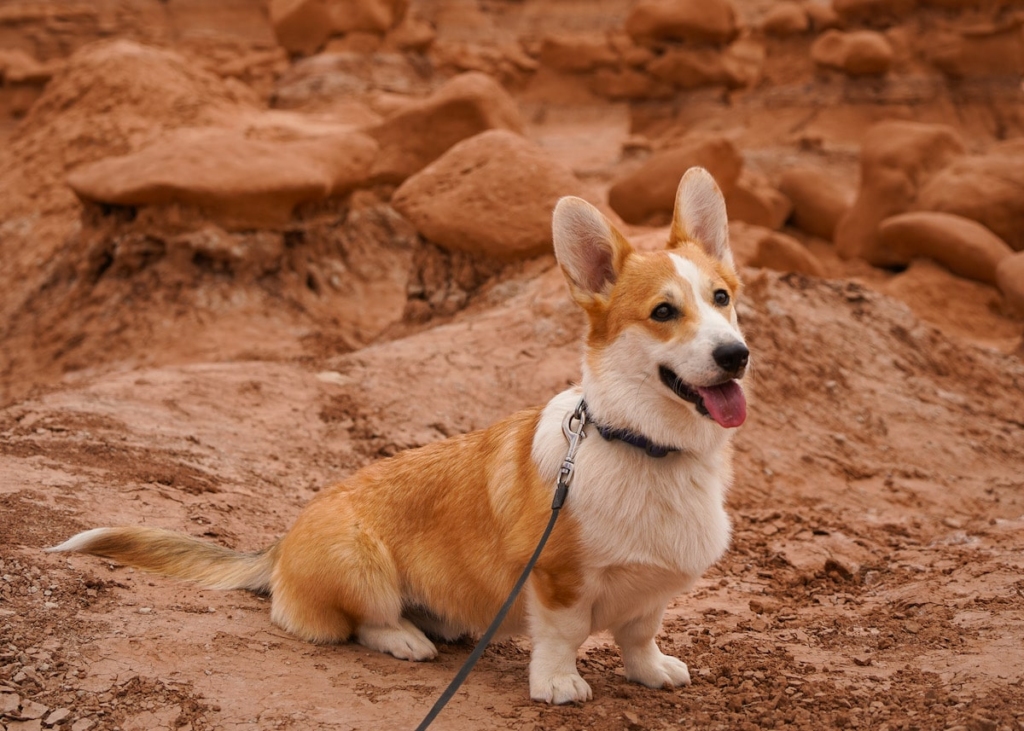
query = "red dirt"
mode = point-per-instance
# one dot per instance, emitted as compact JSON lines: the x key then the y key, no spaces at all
{"x":876,"y":577}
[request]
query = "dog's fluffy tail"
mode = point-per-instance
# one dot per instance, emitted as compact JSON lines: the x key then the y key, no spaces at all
{"x":178,"y":555}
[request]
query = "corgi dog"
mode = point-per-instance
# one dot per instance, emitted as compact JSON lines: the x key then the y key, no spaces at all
{"x":429,"y":542}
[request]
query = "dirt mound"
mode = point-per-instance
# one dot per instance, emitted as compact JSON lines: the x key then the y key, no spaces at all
{"x":111,"y":98}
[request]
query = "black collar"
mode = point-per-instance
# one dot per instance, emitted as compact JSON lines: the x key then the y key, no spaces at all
{"x":630,"y":437}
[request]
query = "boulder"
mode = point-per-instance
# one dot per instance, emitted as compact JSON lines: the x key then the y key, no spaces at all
{"x":987,"y":188}
{"x":422,"y":131}
{"x":1010,"y":280}
{"x":374,"y":16}
{"x":651,"y":189}
{"x":822,"y":17}
{"x":690,"y":68}
{"x":964,"y":247}
{"x":628,"y":83}
{"x":413,"y":34}
{"x":577,"y":53}
{"x":857,"y":53}
{"x":744,"y":62}
{"x":693,"y":21}
{"x":238,"y":181}
{"x":17,"y":67}
{"x":785,"y":254}
{"x":785,"y":19}
{"x":819,"y":199}
{"x":874,"y":12}
{"x":753,"y":200}
{"x":739,"y":65}
{"x":896,"y":160}
{"x":982,"y":51}
{"x":303,"y":26}
{"x":490,"y":195}
{"x":744,"y":240}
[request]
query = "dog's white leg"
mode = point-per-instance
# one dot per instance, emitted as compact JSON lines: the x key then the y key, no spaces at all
{"x":644,"y":662}
{"x":404,"y":640}
{"x":557,"y":634}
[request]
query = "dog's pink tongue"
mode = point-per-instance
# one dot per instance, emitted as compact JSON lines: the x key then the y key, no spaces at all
{"x":725,"y":403}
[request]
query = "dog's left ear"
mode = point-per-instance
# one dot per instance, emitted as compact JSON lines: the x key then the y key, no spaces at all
{"x":700,"y":215}
{"x":589,"y":249}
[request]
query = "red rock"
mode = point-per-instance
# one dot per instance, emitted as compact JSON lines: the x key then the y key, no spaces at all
{"x":785,"y":19}
{"x":985,"y":51}
{"x":689,"y":68}
{"x":651,"y":189}
{"x":412,"y":34}
{"x":744,"y":240}
{"x":876,"y":12}
{"x":819,"y":199}
{"x":628,"y":51}
{"x":577,"y":53}
{"x":896,"y":159}
{"x":698,"y":21}
{"x":785,"y":254}
{"x":240,"y":182}
{"x":327,"y":80}
{"x":629,"y":84}
{"x":375,"y":16}
{"x":738,"y":65}
{"x":1010,"y":280}
{"x":744,"y":62}
{"x":303,"y":26}
{"x":142,"y":83}
{"x":822,"y":17}
{"x":490,"y":195}
{"x":981,"y":51}
{"x":17,"y":67}
{"x":359,"y":42}
{"x":987,"y":188}
{"x":962,"y":246}
{"x":422,"y":131}
{"x":858,"y":53}
{"x":753,"y":200}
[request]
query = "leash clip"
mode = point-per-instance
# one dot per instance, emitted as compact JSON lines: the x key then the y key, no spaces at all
{"x":574,"y":436}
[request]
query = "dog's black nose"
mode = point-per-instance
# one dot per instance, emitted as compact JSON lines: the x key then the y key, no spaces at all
{"x":731,"y":357}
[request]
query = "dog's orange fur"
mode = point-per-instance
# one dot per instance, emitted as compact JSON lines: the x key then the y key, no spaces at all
{"x":467,"y":545}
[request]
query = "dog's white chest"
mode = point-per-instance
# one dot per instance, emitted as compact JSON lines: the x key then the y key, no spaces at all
{"x":633,"y":510}
{"x":661,"y":517}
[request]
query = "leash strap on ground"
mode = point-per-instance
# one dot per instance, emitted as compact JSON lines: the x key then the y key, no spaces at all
{"x":489,"y":634}
{"x":561,"y":490}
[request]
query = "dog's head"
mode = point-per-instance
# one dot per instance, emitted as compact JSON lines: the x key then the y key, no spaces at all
{"x":663,"y":341}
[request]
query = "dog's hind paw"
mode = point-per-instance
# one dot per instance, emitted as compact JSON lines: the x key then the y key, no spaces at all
{"x":406,"y":641}
{"x":661,"y":671}
{"x":561,"y":688}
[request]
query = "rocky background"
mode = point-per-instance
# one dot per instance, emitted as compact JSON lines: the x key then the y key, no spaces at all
{"x":248,"y":247}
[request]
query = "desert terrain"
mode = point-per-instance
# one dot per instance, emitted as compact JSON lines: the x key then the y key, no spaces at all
{"x":248,"y":247}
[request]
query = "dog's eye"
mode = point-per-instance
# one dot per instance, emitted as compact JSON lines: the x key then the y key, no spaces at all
{"x":721,"y":297}
{"x":664,"y":312}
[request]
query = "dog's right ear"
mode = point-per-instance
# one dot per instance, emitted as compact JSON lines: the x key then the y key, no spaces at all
{"x":589,"y":249}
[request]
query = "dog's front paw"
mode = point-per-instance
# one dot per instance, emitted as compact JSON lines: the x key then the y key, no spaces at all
{"x":660,"y":671}
{"x":561,"y":688}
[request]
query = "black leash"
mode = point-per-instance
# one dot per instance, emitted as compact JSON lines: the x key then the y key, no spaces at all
{"x":574,"y":436}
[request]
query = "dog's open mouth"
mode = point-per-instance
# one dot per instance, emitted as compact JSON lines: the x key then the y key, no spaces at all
{"x":725,"y":402}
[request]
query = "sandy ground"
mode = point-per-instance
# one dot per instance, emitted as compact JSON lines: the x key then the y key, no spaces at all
{"x":876,"y":576}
